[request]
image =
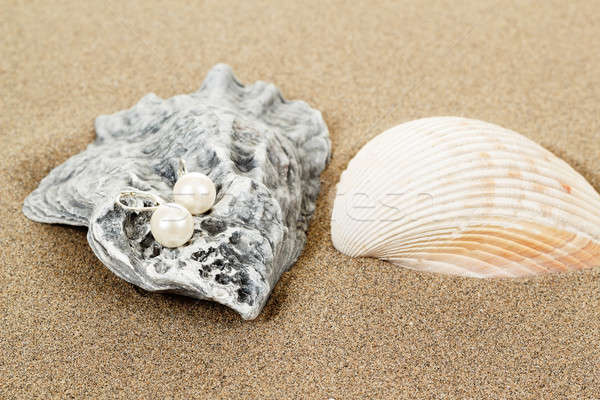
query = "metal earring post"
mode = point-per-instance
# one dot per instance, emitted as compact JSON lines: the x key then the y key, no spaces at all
{"x":141,"y":195}
{"x":182,"y":170}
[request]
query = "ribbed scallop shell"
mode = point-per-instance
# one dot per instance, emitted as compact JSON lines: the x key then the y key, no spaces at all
{"x":461,"y":196}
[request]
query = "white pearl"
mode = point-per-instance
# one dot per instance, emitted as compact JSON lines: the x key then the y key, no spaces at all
{"x":171,"y":225}
{"x":195,"y":191}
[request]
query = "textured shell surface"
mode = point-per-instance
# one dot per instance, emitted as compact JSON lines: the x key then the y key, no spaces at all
{"x":265,"y":156}
{"x":461,"y":196}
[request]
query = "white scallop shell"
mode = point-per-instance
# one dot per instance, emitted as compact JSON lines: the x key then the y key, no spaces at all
{"x":466,"y":197}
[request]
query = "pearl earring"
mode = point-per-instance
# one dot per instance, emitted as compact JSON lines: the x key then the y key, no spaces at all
{"x":194,"y":190}
{"x":171,"y":224}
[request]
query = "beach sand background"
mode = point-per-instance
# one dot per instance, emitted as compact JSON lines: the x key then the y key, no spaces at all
{"x":334,"y":327}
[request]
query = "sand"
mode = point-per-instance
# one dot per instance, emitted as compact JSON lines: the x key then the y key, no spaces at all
{"x":334,"y":327}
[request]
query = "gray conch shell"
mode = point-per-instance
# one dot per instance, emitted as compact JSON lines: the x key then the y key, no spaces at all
{"x":263,"y":153}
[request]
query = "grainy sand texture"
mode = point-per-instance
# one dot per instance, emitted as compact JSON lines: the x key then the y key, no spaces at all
{"x":334,"y":327}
